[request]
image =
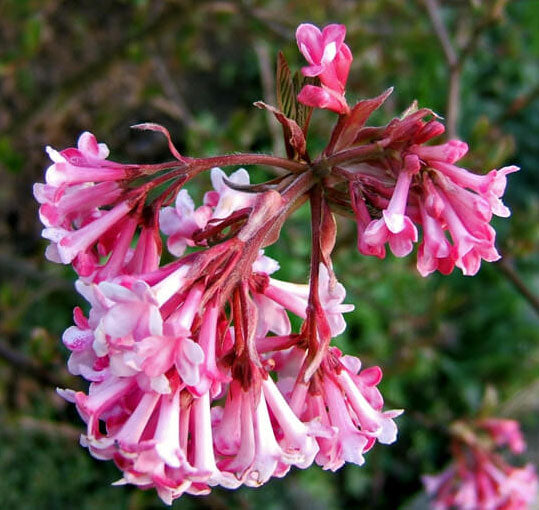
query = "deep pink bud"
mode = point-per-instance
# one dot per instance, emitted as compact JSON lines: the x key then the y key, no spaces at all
{"x":330,"y":60}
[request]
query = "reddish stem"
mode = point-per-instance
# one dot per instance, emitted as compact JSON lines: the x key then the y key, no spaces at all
{"x":200,"y":164}
{"x":318,"y":332}
{"x":211,"y":231}
{"x":277,"y":343}
{"x":250,"y":314}
{"x":354,"y":154}
{"x":239,"y":338}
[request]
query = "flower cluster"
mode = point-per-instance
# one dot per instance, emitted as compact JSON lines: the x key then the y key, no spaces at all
{"x":196,"y":377}
{"x":182,"y":370}
{"x":389,"y":169}
{"x":421,"y":185}
{"x":479,"y":478}
{"x":411,"y":184}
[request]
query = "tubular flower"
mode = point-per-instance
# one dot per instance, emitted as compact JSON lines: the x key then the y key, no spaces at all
{"x":343,"y":404}
{"x":163,"y":346}
{"x":89,"y":212}
{"x":479,"y":478}
{"x":413,"y":185}
{"x":157,"y":357}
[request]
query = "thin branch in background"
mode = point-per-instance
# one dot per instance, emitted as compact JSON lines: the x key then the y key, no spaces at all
{"x":433,"y":9}
{"x":454,"y":64}
{"x":455,"y":58}
{"x":506,"y":268}
{"x":27,"y":366}
{"x":493,"y":16}
{"x":523,"y":402}
{"x":268,"y":89}
{"x":169,"y":19}
{"x":174,"y":103}
{"x":271,"y":19}
{"x":48,"y":427}
{"x":519,"y":103}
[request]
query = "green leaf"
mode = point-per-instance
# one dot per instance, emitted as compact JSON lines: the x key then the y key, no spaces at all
{"x":32,"y":35}
{"x":9,"y":157}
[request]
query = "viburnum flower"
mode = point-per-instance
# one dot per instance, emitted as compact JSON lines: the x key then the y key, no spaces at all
{"x":79,"y":184}
{"x":196,"y":376}
{"x":479,"y":478}
{"x":416,"y":185}
{"x":157,"y":355}
{"x":160,"y":349}
{"x":330,"y":59}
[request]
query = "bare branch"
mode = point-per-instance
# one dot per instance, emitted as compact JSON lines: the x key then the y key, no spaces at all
{"x":28,"y":366}
{"x":453,"y":103}
{"x":494,"y":15}
{"x":173,"y":94}
{"x":507,"y":269}
{"x":519,"y":103}
{"x":268,"y":89}
{"x":93,"y":71}
{"x":455,"y":59}
{"x":441,"y":32}
{"x":454,"y":64}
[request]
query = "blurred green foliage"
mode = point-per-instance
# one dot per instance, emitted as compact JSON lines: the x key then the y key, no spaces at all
{"x":449,"y":346}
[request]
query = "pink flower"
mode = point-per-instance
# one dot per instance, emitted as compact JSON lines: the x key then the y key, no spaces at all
{"x":363,"y":219}
{"x":480,"y":479}
{"x":348,"y":406}
{"x":67,"y":244}
{"x":485,"y":484}
{"x":72,"y":204}
{"x":395,"y":227}
{"x":161,"y":356}
{"x":225,"y":199}
{"x":435,"y":252}
{"x":505,"y":432}
{"x":88,"y":213}
{"x":83,"y":360}
{"x":294,"y":297}
{"x":323,"y":97}
{"x":196,"y":376}
{"x":182,"y":221}
{"x":87,"y":163}
{"x":416,"y":185}
{"x":330,"y":60}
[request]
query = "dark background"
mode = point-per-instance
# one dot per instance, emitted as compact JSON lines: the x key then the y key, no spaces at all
{"x":450,"y":347}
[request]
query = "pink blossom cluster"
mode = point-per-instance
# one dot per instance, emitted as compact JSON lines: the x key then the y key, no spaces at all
{"x":411,"y":184}
{"x":182,"y":373}
{"x":87,"y":209}
{"x":479,"y":478}
{"x":196,"y":377}
{"x":420,"y":185}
